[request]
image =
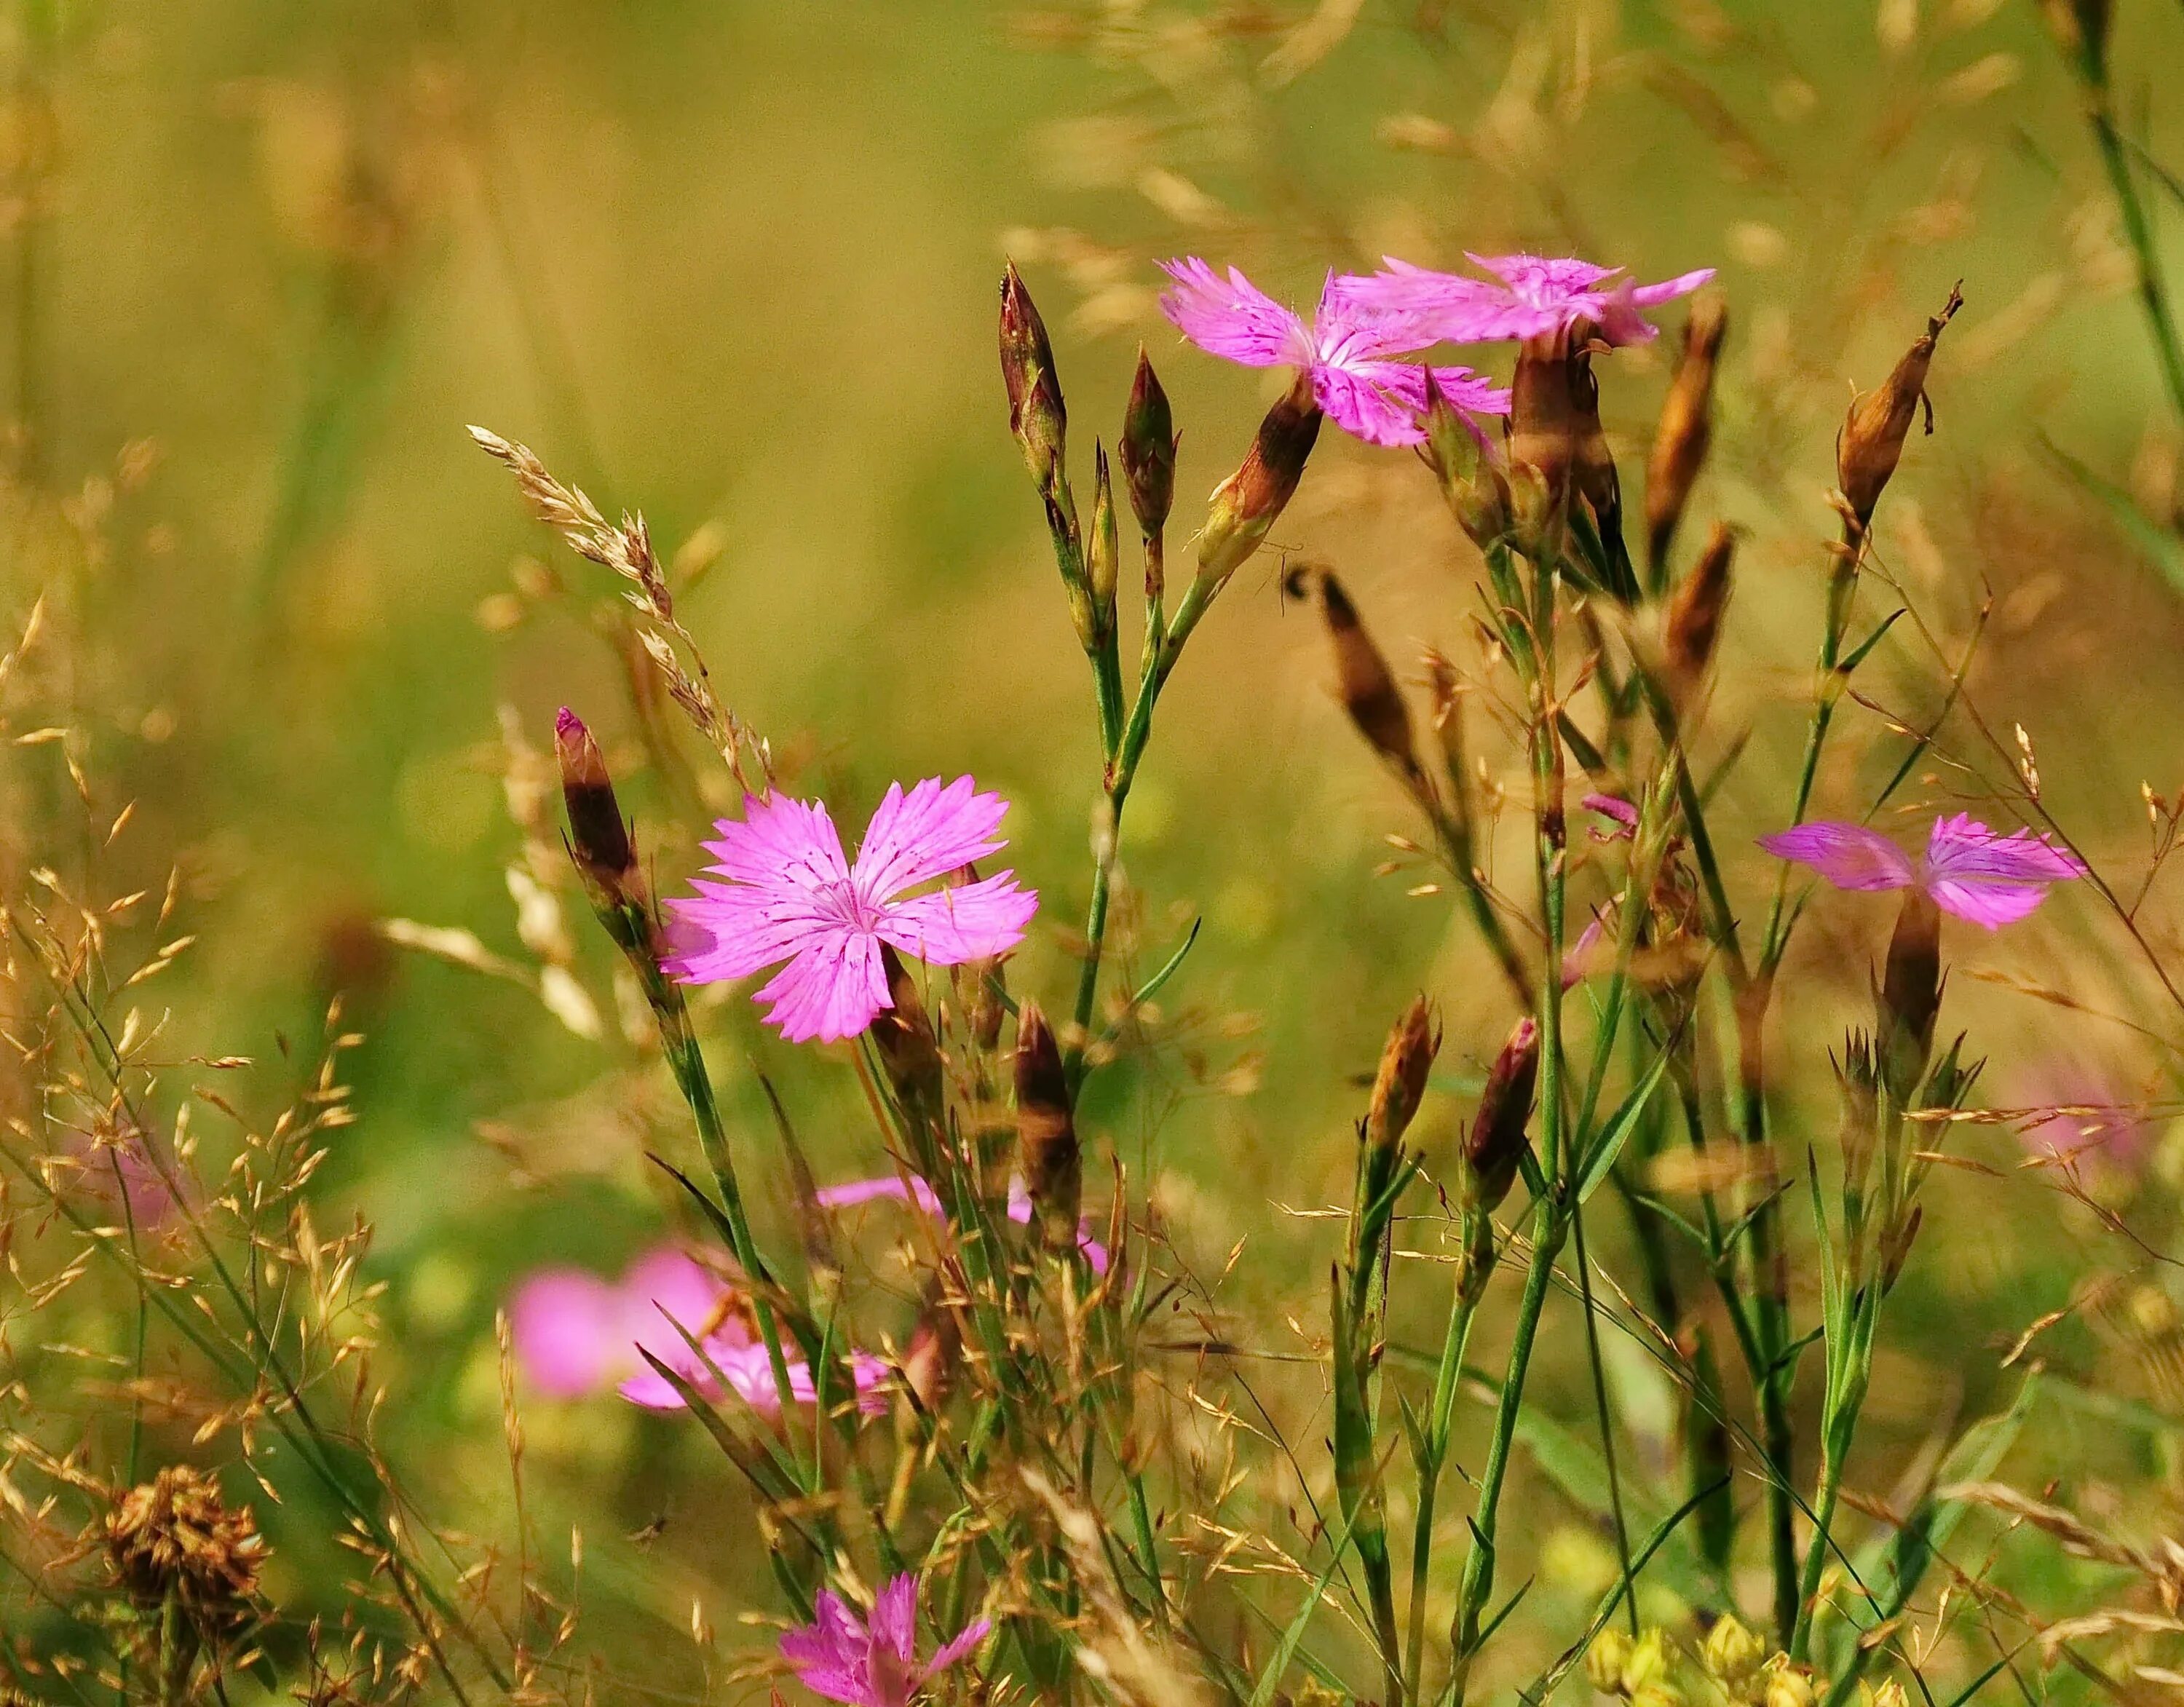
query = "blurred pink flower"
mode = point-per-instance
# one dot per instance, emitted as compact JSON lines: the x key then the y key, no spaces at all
{"x":1970,"y":871}
{"x":928,"y":1199}
{"x":1530,"y":297}
{"x":791,"y":897}
{"x":2085,"y":1110}
{"x":575,"y":1333}
{"x":1588,"y":954}
{"x":118,"y":1172}
{"x":844,"y":1659}
{"x":1622,"y":815}
{"x":1351,"y":351}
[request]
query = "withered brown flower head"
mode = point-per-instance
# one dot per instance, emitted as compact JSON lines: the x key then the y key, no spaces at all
{"x":174,"y":1533}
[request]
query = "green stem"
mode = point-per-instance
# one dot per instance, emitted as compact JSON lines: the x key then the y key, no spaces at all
{"x":1607,"y":1419}
{"x":1463,"y":1309}
{"x":2138,"y":231}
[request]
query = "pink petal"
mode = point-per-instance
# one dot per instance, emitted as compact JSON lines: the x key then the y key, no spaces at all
{"x":1850,"y":856}
{"x":895,"y":1616}
{"x":1543,"y":278}
{"x":666,"y":1290}
{"x":830,"y":990}
{"x":1962,"y":847}
{"x":1361,"y":401}
{"x":1988,"y":904}
{"x":1019,"y":1211}
{"x":1650,"y":296}
{"x":852,"y":1193}
{"x":652,"y":1390}
{"x":1234,"y":319}
{"x":1583,"y":958}
{"x":925,"y":834}
{"x":567,"y":1331}
{"x":743,"y":928}
{"x":874,"y":1377}
{"x":949,"y":926}
{"x":778,"y":842}
{"x":965,"y":1644}
{"x":838,"y":1683}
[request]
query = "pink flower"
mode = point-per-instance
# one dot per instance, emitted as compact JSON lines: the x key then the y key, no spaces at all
{"x":1530,"y":297}
{"x":791,"y":897}
{"x":843,"y":1659}
{"x":1970,"y":871}
{"x":1622,"y":815}
{"x":928,"y":1199}
{"x":575,"y":1333}
{"x":1351,"y":351}
{"x":2078,"y":1108}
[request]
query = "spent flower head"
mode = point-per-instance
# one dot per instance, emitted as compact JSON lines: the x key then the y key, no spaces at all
{"x":1969,"y":870}
{"x":875,"y":1664}
{"x":1352,"y":353}
{"x":791,"y":899}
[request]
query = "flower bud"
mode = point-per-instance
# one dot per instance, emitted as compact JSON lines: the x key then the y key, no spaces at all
{"x":1401,"y":1083}
{"x":1363,"y":680}
{"x":1497,"y":1142}
{"x":1046,"y":1130}
{"x":1872,"y":437}
{"x":1105,"y":551}
{"x":1246,"y":504}
{"x":1694,"y":621}
{"x":599,"y":836}
{"x":1147,"y":449}
{"x":1732,"y":1654}
{"x":1036,"y":414}
{"x":1651,"y":1663}
{"x":1790,"y":1686}
{"x":1686,"y":429}
{"x":1910,"y":994}
{"x":1605,"y":1659}
{"x":909,"y":1051}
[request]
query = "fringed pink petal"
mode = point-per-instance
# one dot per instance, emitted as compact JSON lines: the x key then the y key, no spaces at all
{"x":830,"y":990}
{"x":1850,"y":856}
{"x":927,"y":833}
{"x":1232,"y":318}
{"x":965,"y":1643}
{"x":949,"y":926}
{"x":895,"y":1617}
{"x":778,"y":842}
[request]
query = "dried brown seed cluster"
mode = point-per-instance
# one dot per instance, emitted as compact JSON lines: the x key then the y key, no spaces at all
{"x":175,"y":1534}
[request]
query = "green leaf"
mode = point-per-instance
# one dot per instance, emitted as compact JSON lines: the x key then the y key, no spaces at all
{"x":1857,"y":654}
{"x":1285,"y":1649}
{"x":1620,"y":1126}
{"x":2160,"y":546}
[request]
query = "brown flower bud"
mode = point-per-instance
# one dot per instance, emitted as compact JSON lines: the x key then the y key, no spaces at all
{"x":1362,"y":680}
{"x":1246,"y":503}
{"x":1147,"y":449}
{"x":909,"y":1051}
{"x":1871,"y":440}
{"x":1686,"y":429}
{"x":1046,"y":1131}
{"x":1401,"y":1083}
{"x":1036,"y":414}
{"x":1910,"y":996}
{"x":1694,"y":620}
{"x":175,"y":1534}
{"x":599,"y":836}
{"x":1497,"y":1143}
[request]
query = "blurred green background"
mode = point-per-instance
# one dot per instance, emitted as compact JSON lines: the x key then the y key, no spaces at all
{"x":733,"y":265}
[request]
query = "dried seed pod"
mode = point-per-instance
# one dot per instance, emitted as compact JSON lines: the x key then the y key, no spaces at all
{"x":1147,"y":449}
{"x":1246,"y":504}
{"x":599,"y":835}
{"x":1910,"y":994}
{"x":1363,"y":680}
{"x":1686,"y":429}
{"x":1400,"y":1084}
{"x":1871,"y":440}
{"x":1695,"y":614}
{"x":1496,"y":1145}
{"x":1046,"y":1131}
{"x":1037,"y":415}
{"x":174,"y":1536}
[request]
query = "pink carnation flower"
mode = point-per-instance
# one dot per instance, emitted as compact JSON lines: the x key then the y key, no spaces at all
{"x":791,"y":897}
{"x":844,"y":1659}
{"x":575,"y":1333}
{"x":1352,"y":352}
{"x":1530,"y":297}
{"x":1970,"y":871}
{"x":891,"y":1186}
